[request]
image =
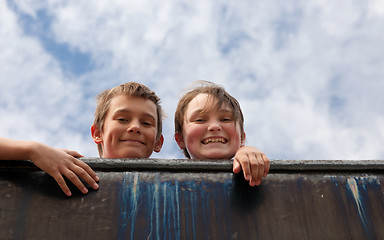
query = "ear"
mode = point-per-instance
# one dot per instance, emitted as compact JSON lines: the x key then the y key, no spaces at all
{"x":180,"y":140}
{"x":159,"y":144}
{"x":96,"y":135}
{"x":243,"y":141}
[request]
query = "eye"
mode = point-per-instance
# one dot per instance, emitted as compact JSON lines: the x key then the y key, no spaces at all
{"x":226,"y":120}
{"x":145,"y":123}
{"x":199,"y":120}
{"x":122,"y":120}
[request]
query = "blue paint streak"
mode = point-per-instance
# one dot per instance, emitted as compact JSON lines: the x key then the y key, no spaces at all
{"x":193,"y":200}
{"x":134,"y":200}
{"x":178,"y":229}
{"x":205,"y":206}
{"x":165,"y":215}
{"x":157,"y":208}
{"x":123,"y":210}
{"x":129,"y":195}
{"x":354,"y":190}
{"x":160,"y":207}
{"x":151,"y":213}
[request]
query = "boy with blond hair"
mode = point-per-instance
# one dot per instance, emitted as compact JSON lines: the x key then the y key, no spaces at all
{"x":209,"y":124}
{"x":128,"y":122}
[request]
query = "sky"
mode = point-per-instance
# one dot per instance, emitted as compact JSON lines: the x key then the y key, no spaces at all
{"x":309,"y":75}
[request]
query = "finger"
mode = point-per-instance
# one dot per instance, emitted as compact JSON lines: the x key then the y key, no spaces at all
{"x":253,"y":165}
{"x":83,"y":174}
{"x":73,"y":153}
{"x":75,"y":180}
{"x":236,"y":166}
{"x":63,"y":185}
{"x":260,"y":163}
{"x":243,"y":160}
{"x":267,"y":165}
{"x":87,"y":168}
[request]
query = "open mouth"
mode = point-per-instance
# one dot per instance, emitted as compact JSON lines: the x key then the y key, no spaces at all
{"x":214,"y":140}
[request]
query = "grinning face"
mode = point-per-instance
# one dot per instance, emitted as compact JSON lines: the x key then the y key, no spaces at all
{"x":130,"y":129}
{"x":209,"y":133}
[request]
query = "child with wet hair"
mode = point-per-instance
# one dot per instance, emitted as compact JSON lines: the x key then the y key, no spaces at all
{"x":209,"y":124}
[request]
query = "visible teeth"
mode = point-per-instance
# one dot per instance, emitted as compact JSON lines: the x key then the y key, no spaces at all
{"x":214,"y":140}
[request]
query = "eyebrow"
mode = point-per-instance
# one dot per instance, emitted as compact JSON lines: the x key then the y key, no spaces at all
{"x":124,"y":110}
{"x":221,"y":110}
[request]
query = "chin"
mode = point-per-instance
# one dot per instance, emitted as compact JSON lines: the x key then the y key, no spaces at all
{"x":218,"y":155}
{"x":135,"y":155}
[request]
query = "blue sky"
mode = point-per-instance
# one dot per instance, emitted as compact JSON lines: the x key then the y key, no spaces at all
{"x":308,"y":75}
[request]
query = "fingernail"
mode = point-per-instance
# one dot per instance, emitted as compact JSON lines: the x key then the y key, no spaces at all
{"x":68,"y":193}
{"x":85,"y":190}
{"x":95,"y":186}
{"x":97,"y":179}
{"x":253,"y":183}
{"x":247,"y":177}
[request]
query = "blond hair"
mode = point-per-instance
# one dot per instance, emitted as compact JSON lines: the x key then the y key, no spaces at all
{"x":214,"y":91}
{"x":132,"y":89}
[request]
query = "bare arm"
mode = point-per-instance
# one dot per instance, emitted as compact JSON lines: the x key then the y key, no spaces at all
{"x":56,"y":162}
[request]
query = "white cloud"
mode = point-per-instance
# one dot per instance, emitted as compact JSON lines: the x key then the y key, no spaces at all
{"x":309,"y":76}
{"x":37,"y":100}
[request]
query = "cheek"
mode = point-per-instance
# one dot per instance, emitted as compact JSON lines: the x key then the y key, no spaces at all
{"x":151,"y":135}
{"x":112,"y":133}
{"x":109,"y":135}
{"x":234,"y":132}
{"x":192,"y":134}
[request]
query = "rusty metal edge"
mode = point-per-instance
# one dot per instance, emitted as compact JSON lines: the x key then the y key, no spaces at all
{"x":190,"y":165}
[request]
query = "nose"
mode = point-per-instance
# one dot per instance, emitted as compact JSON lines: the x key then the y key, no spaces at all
{"x":134,"y":127}
{"x":214,"y":126}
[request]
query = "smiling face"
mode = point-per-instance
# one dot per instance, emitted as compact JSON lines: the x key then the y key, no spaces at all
{"x":208,"y":132}
{"x":129,"y":129}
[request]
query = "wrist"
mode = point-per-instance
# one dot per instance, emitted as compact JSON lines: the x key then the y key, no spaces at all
{"x":32,"y":149}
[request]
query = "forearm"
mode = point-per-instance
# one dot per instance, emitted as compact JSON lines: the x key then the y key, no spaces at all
{"x":16,"y":149}
{"x":56,"y":162}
